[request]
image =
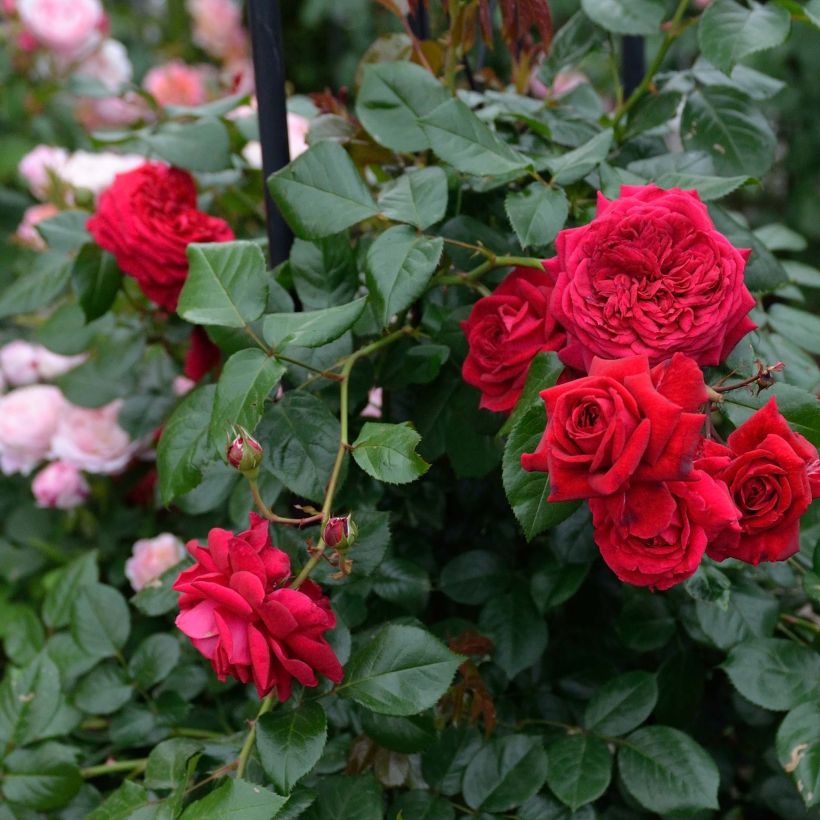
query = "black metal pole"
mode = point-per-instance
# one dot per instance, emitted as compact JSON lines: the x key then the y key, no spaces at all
{"x":265,"y":24}
{"x":633,"y":63}
{"x":419,"y":24}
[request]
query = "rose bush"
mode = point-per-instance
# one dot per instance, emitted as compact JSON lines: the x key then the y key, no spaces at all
{"x":528,"y":408}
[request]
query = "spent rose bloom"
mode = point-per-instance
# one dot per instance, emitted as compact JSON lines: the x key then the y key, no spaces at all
{"x":650,"y":275}
{"x":68,"y":27}
{"x":622,"y":422}
{"x":92,"y":440}
{"x":176,"y":83}
{"x":60,"y":486}
{"x":28,"y":420}
{"x":504,"y":331}
{"x":146,"y":219}
{"x":239,"y":613}
{"x":654,"y":534}
{"x":772,"y":474}
{"x":150,"y":557}
{"x":40,"y":165}
{"x":33,"y":216}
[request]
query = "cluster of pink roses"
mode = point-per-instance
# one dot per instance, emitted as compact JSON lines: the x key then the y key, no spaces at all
{"x":639,"y":300}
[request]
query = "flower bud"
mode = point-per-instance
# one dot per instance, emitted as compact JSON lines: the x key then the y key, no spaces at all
{"x":244,"y":453}
{"x":340,"y":532}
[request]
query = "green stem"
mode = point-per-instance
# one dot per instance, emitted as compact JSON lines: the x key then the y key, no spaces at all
{"x":801,"y":622}
{"x":269,"y":351}
{"x":450,"y":54}
{"x":247,"y":746}
{"x":204,"y":734}
{"x":136,"y":766}
{"x":672,"y":33}
{"x":489,"y":264}
{"x":266,"y":512}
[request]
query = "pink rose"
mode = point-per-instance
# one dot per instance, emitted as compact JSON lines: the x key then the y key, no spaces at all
{"x":32,"y":217}
{"x":91,"y":439}
{"x":50,"y":365}
{"x":109,"y":64}
{"x":65,"y":26}
{"x":60,"y":486}
{"x":151,"y":557}
{"x":25,"y":363}
{"x":649,"y":276}
{"x":28,"y":421}
{"x":298,"y":127}
{"x":218,"y":28}
{"x":39,"y":166}
{"x":176,"y":83}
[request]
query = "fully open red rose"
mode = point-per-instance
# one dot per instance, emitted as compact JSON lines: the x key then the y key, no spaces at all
{"x":239,"y":614}
{"x":146,"y":219}
{"x":623,"y":421}
{"x":650,"y":275}
{"x":505,"y":331}
{"x":772,"y":474}
{"x":654,"y":535}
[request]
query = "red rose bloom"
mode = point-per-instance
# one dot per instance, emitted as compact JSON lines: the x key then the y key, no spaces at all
{"x":147,"y":218}
{"x":505,"y":331}
{"x":239,"y":614}
{"x":650,"y":275}
{"x":623,"y":421}
{"x":202,"y":355}
{"x":772,"y":474}
{"x":654,"y":535}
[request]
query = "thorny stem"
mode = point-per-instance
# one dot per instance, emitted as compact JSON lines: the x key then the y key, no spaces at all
{"x":269,"y":351}
{"x":266,"y":511}
{"x":134,"y":766}
{"x":247,"y":746}
{"x":801,"y":622}
{"x":763,"y":374}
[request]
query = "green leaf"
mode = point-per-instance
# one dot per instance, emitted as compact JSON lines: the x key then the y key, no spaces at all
{"x":324,"y":272}
{"x":798,"y":326}
{"x":462,"y":140}
{"x":100,"y":622}
{"x":64,"y":586}
{"x":622,"y":704}
{"x":29,"y":699}
{"x":527,"y":492}
{"x":321,"y":193}
{"x":401,"y":671}
{"x":666,"y":771}
{"x":576,"y":164}
{"x":798,"y":750}
{"x":121,"y":804}
{"x":236,"y":798}
{"x":517,"y":630}
{"x":66,"y":231}
{"x":626,"y":16}
{"x":312,"y":328}
{"x":779,"y":237}
{"x":226,"y":284}
{"x":728,"y":31}
{"x":708,"y":188}
{"x":652,"y":111}
{"x":96,"y":279}
{"x":402,"y":583}
{"x":168,"y":763}
{"x":554,"y":582}
{"x":23,"y":634}
{"x":48,"y":279}
{"x":474,"y":577}
{"x":399,"y":265}
{"x":392,"y":97}
{"x":245,"y":383}
{"x":749,"y":613}
{"x":421,"y":805}
{"x":307,"y":438}
{"x":580,"y":768}
{"x":774,"y":674}
{"x":291,"y":744}
{"x":537,"y":213}
{"x":505,"y":773}
{"x":43,"y":778}
{"x":154,"y":660}
{"x":727,"y":126}
{"x":387,"y":452}
{"x":103,"y":691}
{"x":406,"y":735}
{"x":203,"y":145}
{"x":182,"y":451}
{"x":418,"y":197}
{"x":545,"y":368}
{"x":344,"y":797}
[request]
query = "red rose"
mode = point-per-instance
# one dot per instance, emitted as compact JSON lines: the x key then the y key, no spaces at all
{"x":238,"y":612}
{"x":202,"y":355}
{"x":654,"y":535}
{"x":650,"y":275}
{"x":146,"y":219}
{"x":623,"y":421}
{"x":504,"y":332}
{"x":772,"y":474}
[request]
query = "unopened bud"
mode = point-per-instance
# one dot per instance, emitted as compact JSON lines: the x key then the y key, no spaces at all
{"x":244,"y":453}
{"x":340,"y":532}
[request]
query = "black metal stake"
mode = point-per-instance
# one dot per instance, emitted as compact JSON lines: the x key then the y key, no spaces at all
{"x":633,"y":63}
{"x":265,"y":24}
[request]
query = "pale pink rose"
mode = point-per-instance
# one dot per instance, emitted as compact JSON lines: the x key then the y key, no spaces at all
{"x":40,"y":165}
{"x":252,"y":154}
{"x":59,"y":486}
{"x":18,"y":361}
{"x":92,"y":440}
{"x":176,"y":83}
{"x":65,"y":26}
{"x":182,"y":385}
{"x":96,"y":172}
{"x":109,"y":64}
{"x":298,"y":127}
{"x":28,"y":420}
{"x":218,"y":28}
{"x":32,"y":216}
{"x":151,"y":557}
{"x":50,"y":364}
{"x":374,"y":404}
{"x":238,"y":77}
{"x":106,"y":112}
{"x":562,"y":83}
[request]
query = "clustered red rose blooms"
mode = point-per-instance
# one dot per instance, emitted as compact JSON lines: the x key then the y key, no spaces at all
{"x":504,"y":331}
{"x":146,"y":219}
{"x":240,"y":614}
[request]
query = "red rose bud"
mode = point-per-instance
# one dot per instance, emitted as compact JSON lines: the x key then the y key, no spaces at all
{"x":340,"y":532}
{"x":244,"y":453}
